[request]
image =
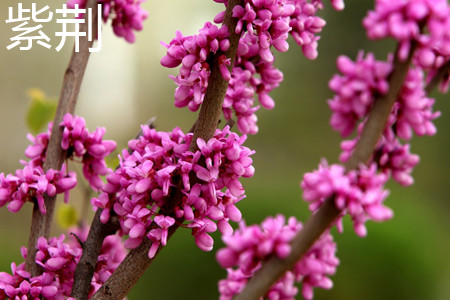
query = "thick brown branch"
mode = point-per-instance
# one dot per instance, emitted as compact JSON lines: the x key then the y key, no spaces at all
{"x":130,"y":270}
{"x":40,"y":224}
{"x":273,"y":268}
{"x":137,"y":261}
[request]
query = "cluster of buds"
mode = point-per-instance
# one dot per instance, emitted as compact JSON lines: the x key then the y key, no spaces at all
{"x":32,"y":182}
{"x":249,"y":246}
{"x":262,"y":25}
{"x":126,"y":16}
{"x":58,"y":261}
{"x":140,"y":189}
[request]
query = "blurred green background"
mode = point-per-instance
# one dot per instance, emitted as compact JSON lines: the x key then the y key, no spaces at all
{"x":405,"y":258}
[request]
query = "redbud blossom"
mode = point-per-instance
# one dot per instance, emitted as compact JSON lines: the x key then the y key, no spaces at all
{"x":58,"y":261}
{"x":127,"y":15}
{"x":359,"y":193}
{"x":261,"y":24}
{"x":249,"y":246}
{"x":159,"y":161}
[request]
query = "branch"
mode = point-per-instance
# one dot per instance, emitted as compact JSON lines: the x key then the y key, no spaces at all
{"x":211,"y":109}
{"x":442,"y":72}
{"x":91,"y":250}
{"x":98,"y":231}
{"x":40,"y":224}
{"x":274,"y":267}
{"x":137,"y":261}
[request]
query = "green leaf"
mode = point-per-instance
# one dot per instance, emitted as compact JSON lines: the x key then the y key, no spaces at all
{"x":40,"y":111}
{"x":112,"y":160}
{"x":67,"y":216}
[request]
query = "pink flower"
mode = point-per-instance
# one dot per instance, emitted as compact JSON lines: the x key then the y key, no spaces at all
{"x":32,"y":183}
{"x":248,"y":246}
{"x":58,"y":260}
{"x":413,"y":110}
{"x":359,"y":193}
{"x":158,"y":162}
{"x":263,"y":25}
{"x":400,"y":20}
{"x":89,"y":146}
{"x":127,"y":15}
{"x":356,"y":90}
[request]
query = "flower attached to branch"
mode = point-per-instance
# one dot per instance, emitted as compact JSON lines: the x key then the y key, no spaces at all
{"x":141,"y":188}
{"x":263,"y":25}
{"x":58,"y":261}
{"x":126,"y":16}
{"x":31,"y":183}
{"x":249,"y":246}
{"x":359,"y":193}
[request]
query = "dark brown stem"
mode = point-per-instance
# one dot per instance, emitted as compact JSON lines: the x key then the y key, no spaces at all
{"x":211,"y":109}
{"x":137,"y":261}
{"x":442,"y":72}
{"x":55,"y":155}
{"x":130,"y":270}
{"x":91,"y":249}
{"x":93,"y":244}
{"x":274,"y":267}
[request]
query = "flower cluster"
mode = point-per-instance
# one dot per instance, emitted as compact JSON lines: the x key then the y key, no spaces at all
{"x":250,"y":245}
{"x":405,"y":21}
{"x":261,"y":25}
{"x":58,"y":260}
{"x":193,"y":53}
{"x":78,"y":142}
{"x":139,"y":190}
{"x":90,"y":147}
{"x":251,"y":76}
{"x":359,"y":193}
{"x":356,"y":90}
{"x":361,"y":81}
{"x":32,"y":182}
{"x":390,"y":156}
{"x":414,"y":110}
{"x":127,"y":15}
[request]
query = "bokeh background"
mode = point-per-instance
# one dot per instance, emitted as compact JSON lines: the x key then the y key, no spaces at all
{"x":405,"y":258}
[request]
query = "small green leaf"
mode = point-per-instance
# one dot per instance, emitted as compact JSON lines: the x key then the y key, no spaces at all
{"x":67,"y":216}
{"x":40,"y":111}
{"x":112,"y":160}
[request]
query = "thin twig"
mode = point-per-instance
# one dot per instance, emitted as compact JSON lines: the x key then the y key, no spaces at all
{"x":40,"y":224}
{"x":78,"y":239}
{"x":230,"y":123}
{"x":442,"y":72}
{"x":274,"y":267}
{"x":137,"y":261}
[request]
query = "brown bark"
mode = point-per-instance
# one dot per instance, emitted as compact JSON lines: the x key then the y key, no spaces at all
{"x":55,"y":155}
